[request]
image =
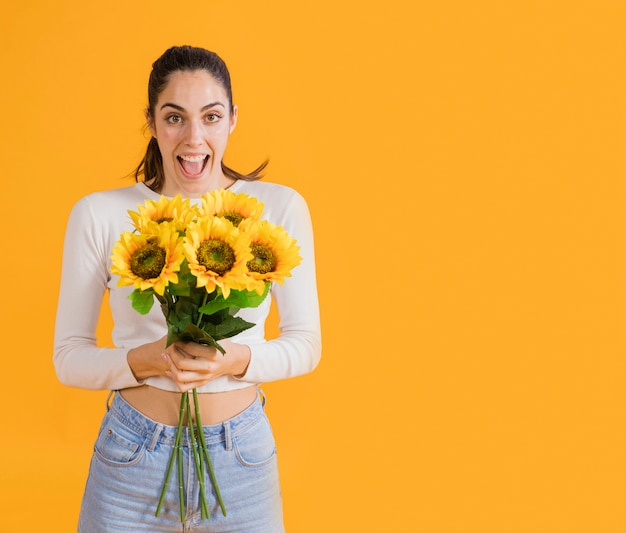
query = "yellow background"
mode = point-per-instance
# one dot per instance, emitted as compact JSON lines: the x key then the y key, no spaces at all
{"x":464,"y":163}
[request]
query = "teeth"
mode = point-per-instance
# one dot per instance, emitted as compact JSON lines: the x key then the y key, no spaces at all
{"x":192,"y":158}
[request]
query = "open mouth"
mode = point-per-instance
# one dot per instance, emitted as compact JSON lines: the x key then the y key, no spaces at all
{"x":193,"y":165}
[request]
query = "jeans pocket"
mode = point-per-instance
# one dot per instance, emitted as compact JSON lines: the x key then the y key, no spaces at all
{"x":117,"y":445}
{"x":255,"y":447}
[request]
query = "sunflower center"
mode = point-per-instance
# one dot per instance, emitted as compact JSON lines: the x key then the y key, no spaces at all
{"x":235,"y":218}
{"x":163,"y":219}
{"x":264,"y":260}
{"x":148,"y":262}
{"x":216,"y":255}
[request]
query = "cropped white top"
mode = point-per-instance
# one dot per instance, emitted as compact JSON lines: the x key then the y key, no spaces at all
{"x":96,"y":223}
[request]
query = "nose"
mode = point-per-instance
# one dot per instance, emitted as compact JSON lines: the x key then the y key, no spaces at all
{"x":194,"y":132}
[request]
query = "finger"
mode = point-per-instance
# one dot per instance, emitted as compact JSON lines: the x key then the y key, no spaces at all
{"x":186,"y":381}
{"x":188,"y":385}
{"x":175,"y":364}
{"x":183,"y":351}
{"x":185,"y":362}
{"x":193,"y":349}
{"x":187,"y":370}
{"x":201,"y":367}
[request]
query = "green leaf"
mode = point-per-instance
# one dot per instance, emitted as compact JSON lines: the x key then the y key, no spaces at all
{"x":180,"y":314}
{"x":179,"y":289}
{"x":185,"y":307}
{"x":142,"y":301}
{"x":193,"y":334}
{"x":239,"y":299}
{"x":228,"y":327}
{"x":186,"y":281}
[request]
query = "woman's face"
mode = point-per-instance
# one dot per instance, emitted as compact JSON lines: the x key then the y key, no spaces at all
{"x":191,"y":123}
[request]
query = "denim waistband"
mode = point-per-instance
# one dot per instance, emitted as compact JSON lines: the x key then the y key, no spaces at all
{"x":156,"y":432}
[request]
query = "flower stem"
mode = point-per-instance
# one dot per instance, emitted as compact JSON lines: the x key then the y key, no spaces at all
{"x":179,"y":451}
{"x":174,"y":454}
{"x":206,"y":453}
{"x":197,"y":457}
{"x":200,"y":313}
{"x":165,"y":300}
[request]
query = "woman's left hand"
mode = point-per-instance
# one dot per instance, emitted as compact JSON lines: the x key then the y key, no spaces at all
{"x":193,"y":365}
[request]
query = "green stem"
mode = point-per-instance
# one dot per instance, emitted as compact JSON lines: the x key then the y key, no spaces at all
{"x":197,"y":457}
{"x":172,"y":456}
{"x":179,"y":451}
{"x":206,"y":453}
{"x":200,"y":313}
{"x":166,"y":299}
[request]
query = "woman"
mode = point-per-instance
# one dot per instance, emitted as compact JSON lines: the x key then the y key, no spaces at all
{"x":190,"y":115}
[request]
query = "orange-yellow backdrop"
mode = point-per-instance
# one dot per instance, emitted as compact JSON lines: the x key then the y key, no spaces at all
{"x":464,"y":164}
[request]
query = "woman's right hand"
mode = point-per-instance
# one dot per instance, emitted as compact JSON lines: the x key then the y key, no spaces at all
{"x":147,"y":360}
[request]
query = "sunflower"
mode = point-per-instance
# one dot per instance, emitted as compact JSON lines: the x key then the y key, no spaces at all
{"x":175,"y":211}
{"x":274,"y":252}
{"x":231,"y":206}
{"x":148,"y":261}
{"x":217,"y":253}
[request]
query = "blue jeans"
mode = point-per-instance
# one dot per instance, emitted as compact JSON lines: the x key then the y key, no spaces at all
{"x":129,"y":465}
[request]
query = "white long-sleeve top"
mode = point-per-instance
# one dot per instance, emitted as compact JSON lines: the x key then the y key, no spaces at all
{"x":96,"y":223}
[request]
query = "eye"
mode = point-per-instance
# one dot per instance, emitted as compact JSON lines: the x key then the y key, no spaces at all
{"x":174,"y":119}
{"x":213,"y":117}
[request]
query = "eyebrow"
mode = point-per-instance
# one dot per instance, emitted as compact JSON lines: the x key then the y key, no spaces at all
{"x":180,"y":108}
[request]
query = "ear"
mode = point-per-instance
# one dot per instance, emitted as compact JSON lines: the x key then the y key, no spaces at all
{"x":233,"y":118}
{"x":150,"y":123}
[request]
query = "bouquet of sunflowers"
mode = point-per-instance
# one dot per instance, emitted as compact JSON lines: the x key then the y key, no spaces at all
{"x":202,"y":264}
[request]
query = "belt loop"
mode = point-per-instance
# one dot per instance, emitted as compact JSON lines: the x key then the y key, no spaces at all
{"x":263,"y":398}
{"x":227,"y":436}
{"x":155,"y":436}
{"x":108,"y":402}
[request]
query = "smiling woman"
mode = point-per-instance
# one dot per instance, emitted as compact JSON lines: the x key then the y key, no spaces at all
{"x":191,"y":124}
{"x":190,"y":101}
{"x":191,"y":116}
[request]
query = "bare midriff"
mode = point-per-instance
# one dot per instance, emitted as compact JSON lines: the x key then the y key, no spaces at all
{"x":164,"y":406}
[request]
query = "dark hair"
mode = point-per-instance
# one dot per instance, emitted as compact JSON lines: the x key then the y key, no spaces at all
{"x":183,"y":59}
